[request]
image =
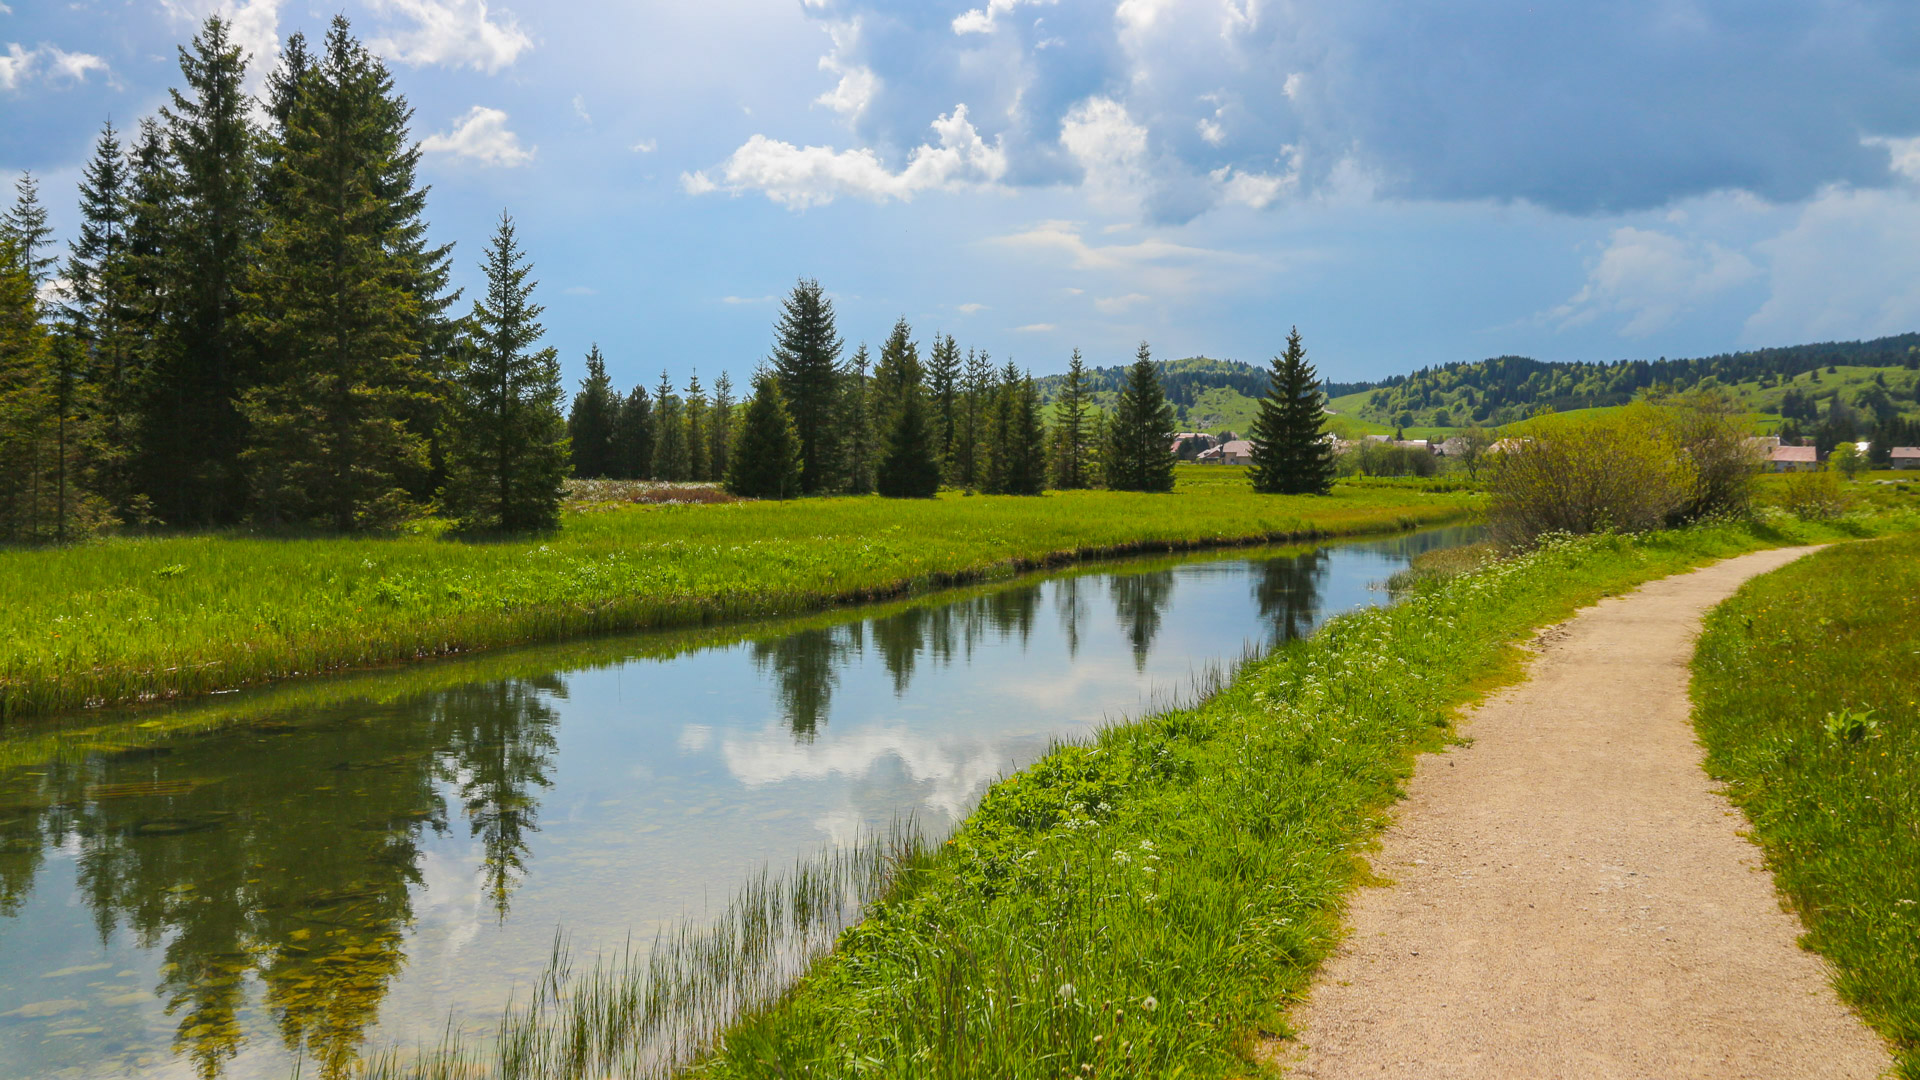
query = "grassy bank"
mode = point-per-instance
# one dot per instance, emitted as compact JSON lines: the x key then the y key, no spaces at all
{"x":1148,"y":904}
{"x":142,"y":619}
{"x":1807,"y":693}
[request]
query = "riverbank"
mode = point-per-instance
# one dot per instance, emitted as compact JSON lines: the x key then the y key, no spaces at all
{"x":1805,"y":692}
{"x":1152,"y":903}
{"x":132,"y":620}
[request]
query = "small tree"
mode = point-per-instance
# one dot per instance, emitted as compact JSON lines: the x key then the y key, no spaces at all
{"x":766,"y":457}
{"x":698,"y":465}
{"x":1072,"y":445}
{"x":720,"y":427}
{"x":1027,"y":474}
{"x":1847,"y":460}
{"x":909,"y":470}
{"x":669,"y":433}
{"x":1474,"y":443}
{"x":806,"y":355}
{"x":856,"y":423}
{"x":632,"y":440}
{"x":943,"y":387}
{"x":1140,"y":433}
{"x":1289,"y":455}
{"x":590,"y":424}
{"x":508,"y":454}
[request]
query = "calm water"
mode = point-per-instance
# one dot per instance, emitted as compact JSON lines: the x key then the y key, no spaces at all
{"x":360,"y":858}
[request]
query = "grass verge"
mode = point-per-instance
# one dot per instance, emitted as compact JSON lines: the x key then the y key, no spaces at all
{"x":131,"y":620}
{"x":1151,"y":903}
{"x":1807,"y":694}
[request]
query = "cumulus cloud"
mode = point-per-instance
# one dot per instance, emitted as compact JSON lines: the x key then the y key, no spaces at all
{"x":971,"y":308}
{"x":1652,"y":278}
{"x":1110,"y":148}
{"x":644,"y":146}
{"x":481,"y":135}
{"x":1848,"y":267}
{"x":1152,"y":266}
{"x":798,"y":177}
{"x":857,"y":84}
{"x":983,"y":20}
{"x":20,"y":66}
{"x":1903,"y":154}
{"x":452,"y":33}
{"x":253,"y":24}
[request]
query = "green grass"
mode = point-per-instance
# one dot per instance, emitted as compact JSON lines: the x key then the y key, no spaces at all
{"x":128,"y":620}
{"x":1807,"y":694}
{"x":1152,"y":903}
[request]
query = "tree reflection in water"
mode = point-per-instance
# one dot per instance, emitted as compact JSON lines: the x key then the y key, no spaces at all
{"x":286,"y":852}
{"x":1288,"y":592}
{"x":1139,"y":600}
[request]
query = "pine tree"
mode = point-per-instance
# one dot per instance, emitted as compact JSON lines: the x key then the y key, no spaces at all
{"x":591,"y":420}
{"x":856,"y":423}
{"x":633,"y":437}
{"x":25,"y":408}
{"x":806,"y":356}
{"x":766,"y":457}
{"x":975,"y":408}
{"x":507,"y":458}
{"x":1140,"y":434}
{"x":1071,"y":431}
{"x":897,"y":376}
{"x":720,"y":426}
{"x":331,"y":304}
{"x":943,"y":387}
{"x":908,"y":469}
{"x":1290,"y":457}
{"x":25,"y":227}
{"x":998,"y":446}
{"x":1028,"y":442}
{"x":669,"y":433}
{"x":697,"y":448}
{"x":100,"y":310}
{"x":191,"y":421}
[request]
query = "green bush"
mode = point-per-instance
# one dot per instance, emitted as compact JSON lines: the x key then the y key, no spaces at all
{"x":1587,"y":473}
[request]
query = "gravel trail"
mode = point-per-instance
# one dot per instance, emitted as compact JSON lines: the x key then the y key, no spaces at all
{"x":1570,"y":895}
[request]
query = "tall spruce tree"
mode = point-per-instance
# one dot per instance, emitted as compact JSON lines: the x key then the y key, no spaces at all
{"x":976,"y":408}
{"x":1290,"y":456}
{"x":998,"y":446}
{"x":720,"y":428}
{"x":1027,"y":474}
{"x":1072,"y":432}
{"x":26,"y":484}
{"x":856,"y":423}
{"x":331,"y":303}
{"x":908,"y":469}
{"x":1140,"y":433}
{"x":507,"y":458}
{"x":25,"y":227}
{"x":766,"y":457}
{"x":943,"y":389}
{"x":193,"y":430}
{"x":100,"y":310}
{"x":591,"y":420}
{"x":697,"y":445}
{"x":633,"y":436}
{"x":806,"y":355}
{"x":897,"y":375}
{"x":669,"y":433}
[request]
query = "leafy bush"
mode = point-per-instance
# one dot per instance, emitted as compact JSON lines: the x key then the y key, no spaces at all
{"x":1587,"y":473}
{"x":1815,"y":496}
{"x":1369,"y":458}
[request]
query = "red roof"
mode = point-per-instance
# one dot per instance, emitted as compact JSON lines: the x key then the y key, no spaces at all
{"x":1796,"y":454}
{"x":1908,"y":453}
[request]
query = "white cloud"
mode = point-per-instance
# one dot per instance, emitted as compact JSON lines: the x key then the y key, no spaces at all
{"x":971,"y":308}
{"x":20,"y":66}
{"x":580,"y":108}
{"x":1152,"y":266}
{"x":1903,"y":154}
{"x":452,"y":33}
{"x":1849,"y":267}
{"x":482,"y":135}
{"x":1652,"y":278}
{"x":799,"y":177}
{"x":644,"y":146}
{"x":1114,"y":305}
{"x":1211,"y":131}
{"x":857,"y":84}
{"x":1140,"y":14}
{"x":254,"y":25}
{"x":1110,"y":148}
{"x":983,"y":20}
{"x":1257,"y":190}
{"x":1291,"y":87}
{"x":1035,"y":328}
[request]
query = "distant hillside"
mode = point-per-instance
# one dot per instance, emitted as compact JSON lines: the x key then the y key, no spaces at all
{"x":1207,"y":394}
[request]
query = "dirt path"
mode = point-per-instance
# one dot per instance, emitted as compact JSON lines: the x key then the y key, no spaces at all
{"x":1572,"y":898}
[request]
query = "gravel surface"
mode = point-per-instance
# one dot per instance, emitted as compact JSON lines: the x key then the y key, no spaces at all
{"x":1571,"y":897}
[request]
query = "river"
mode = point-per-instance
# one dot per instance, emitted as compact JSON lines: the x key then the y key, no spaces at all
{"x":218,"y":889}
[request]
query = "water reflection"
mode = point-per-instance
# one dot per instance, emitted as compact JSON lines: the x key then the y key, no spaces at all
{"x":261,"y":891}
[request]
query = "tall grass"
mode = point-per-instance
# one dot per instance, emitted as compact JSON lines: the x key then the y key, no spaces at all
{"x":1150,"y":903}
{"x":130,"y":620}
{"x":1807,"y":693}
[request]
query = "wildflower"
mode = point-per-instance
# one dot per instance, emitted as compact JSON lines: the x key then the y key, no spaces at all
{"x":1149,"y":1003}
{"x":1066,"y":991}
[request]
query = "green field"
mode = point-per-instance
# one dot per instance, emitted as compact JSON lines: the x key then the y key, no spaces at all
{"x":1150,"y":904}
{"x":126,"y":620}
{"x":1807,"y":694}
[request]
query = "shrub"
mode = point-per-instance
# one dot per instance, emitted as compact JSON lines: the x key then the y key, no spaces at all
{"x":1588,"y":473}
{"x":1712,"y":431}
{"x":1369,"y":458}
{"x":1815,"y":496}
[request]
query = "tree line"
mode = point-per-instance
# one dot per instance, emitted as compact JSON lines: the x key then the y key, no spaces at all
{"x":253,"y":326}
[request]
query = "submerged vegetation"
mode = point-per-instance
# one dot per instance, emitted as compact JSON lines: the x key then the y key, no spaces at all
{"x":1151,"y":903}
{"x":142,"y":619}
{"x":1805,"y":690}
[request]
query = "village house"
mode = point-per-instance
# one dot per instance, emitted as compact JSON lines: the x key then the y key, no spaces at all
{"x":1793,"y":459}
{"x":1905,"y":457}
{"x":1189,"y":445}
{"x":1231,"y":452}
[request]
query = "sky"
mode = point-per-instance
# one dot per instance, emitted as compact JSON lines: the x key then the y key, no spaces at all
{"x":1410,"y":183}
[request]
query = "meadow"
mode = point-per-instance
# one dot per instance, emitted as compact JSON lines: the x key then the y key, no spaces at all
{"x":127,"y":620}
{"x":1807,"y":694}
{"x":1148,"y":904}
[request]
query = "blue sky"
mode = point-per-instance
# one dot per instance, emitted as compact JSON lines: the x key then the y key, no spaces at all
{"x":1410,"y":183}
